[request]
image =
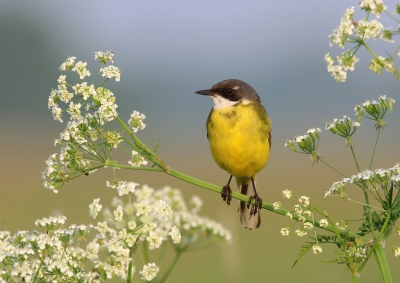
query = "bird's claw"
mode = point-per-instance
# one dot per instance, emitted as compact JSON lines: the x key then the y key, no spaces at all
{"x":256,"y":206}
{"x":226,"y":194}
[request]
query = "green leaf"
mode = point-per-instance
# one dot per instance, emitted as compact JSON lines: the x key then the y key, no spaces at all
{"x":396,"y":204}
{"x":308,"y":246}
{"x":339,"y":260}
{"x":328,"y":239}
{"x":155,"y":147}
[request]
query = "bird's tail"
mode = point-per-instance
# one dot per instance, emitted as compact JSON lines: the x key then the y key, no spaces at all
{"x":245,"y":187}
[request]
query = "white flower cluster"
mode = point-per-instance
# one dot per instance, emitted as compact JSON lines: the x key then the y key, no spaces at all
{"x":307,"y":143}
{"x":185,"y":217}
{"x":285,"y":231}
{"x":345,"y":62}
{"x":375,"y":110}
{"x":175,"y":235}
{"x":376,"y":180}
{"x":277,"y":205}
{"x":136,"y":121}
{"x":287,"y":194}
{"x":317,"y":249}
{"x":90,"y":109}
{"x":84,"y":136}
{"x":370,"y":29}
{"x":85,"y":90}
{"x":149,"y":271}
{"x":396,"y":251}
{"x":69,"y":163}
{"x":341,"y":225}
{"x":49,"y":256}
{"x":302,"y":211}
{"x":195,"y":204}
{"x":188,"y":221}
{"x":337,"y":189}
{"x":377,"y":64}
{"x":137,"y":159}
{"x":94,"y":208}
{"x":51,"y":223}
{"x":68,"y":64}
{"x":107,"y":109}
{"x":374,"y":6}
{"x":104,"y":57}
{"x":52,"y":256}
{"x":106,"y":101}
{"x":358,"y":253}
{"x":346,"y":28}
{"x":159,"y":215}
{"x":80,"y":68}
{"x":123,"y":187}
{"x":53,"y":174}
{"x":358,"y":32}
{"x":344,"y":128}
{"x":111,"y":72}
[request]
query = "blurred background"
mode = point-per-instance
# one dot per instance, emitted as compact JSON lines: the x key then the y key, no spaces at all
{"x":166,"y":51}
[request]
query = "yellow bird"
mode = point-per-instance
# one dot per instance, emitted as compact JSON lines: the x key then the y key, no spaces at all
{"x":239,"y":133}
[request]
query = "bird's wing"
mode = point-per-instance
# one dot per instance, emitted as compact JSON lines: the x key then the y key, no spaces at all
{"x":269,"y":138}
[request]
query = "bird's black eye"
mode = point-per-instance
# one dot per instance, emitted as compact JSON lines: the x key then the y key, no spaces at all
{"x":228,"y":91}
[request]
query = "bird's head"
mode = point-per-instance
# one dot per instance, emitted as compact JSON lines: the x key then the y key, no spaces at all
{"x":230,"y":92}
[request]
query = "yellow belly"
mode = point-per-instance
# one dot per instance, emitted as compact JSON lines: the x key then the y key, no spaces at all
{"x":239,"y":138}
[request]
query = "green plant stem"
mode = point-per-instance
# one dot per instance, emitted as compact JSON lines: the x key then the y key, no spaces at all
{"x":171,"y":267}
{"x":161,"y":255}
{"x":138,"y":144}
{"x":122,"y":166}
{"x":145,"y":253}
{"x":355,"y":158}
{"x":391,"y":16}
{"x":241,"y":197}
{"x":394,"y":71}
{"x":238,"y":196}
{"x":128,"y":280}
{"x":373,"y":153}
{"x":371,"y":223}
{"x":333,"y":168}
{"x":354,"y":278}
{"x":383,"y":266}
{"x":361,"y":203}
{"x":37,"y":272}
{"x":336,"y":231}
{"x":380,"y":257}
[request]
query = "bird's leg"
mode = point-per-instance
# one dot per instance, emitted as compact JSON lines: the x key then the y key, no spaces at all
{"x":226,"y":192}
{"x":257,"y":201}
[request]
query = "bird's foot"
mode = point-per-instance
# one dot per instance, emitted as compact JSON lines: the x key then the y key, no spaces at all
{"x":256,"y":206}
{"x":226,"y":194}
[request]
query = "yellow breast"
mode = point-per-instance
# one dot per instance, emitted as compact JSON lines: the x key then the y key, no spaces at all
{"x":239,"y":138}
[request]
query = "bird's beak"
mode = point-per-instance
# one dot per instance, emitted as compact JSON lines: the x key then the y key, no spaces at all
{"x":204,"y":92}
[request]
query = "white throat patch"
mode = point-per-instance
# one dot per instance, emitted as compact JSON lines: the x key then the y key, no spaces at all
{"x":221,"y":102}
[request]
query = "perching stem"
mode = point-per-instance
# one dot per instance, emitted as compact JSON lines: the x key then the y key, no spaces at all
{"x":174,"y":173}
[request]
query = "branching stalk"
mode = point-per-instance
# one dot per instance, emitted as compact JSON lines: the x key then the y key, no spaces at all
{"x":355,"y":158}
{"x":171,"y":267}
{"x":377,"y":249}
{"x":333,"y":168}
{"x":373,"y":152}
{"x":128,"y":280}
